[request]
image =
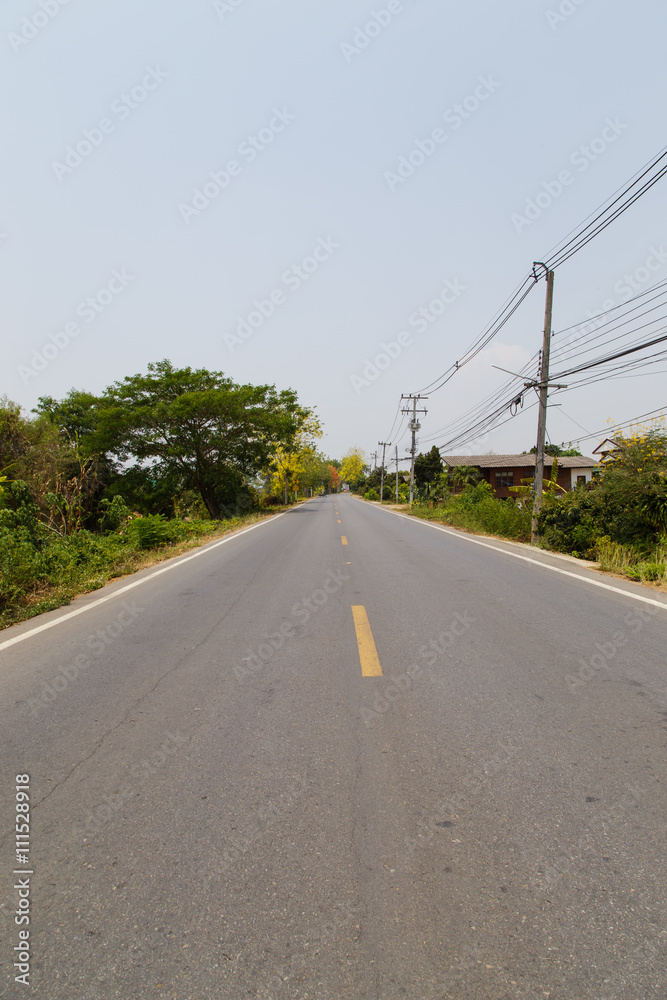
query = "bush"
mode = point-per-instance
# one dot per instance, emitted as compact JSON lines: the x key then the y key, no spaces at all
{"x":371,"y":495}
{"x":148,"y":532}
{"x":115,"y":514}
{"x":476,"y":509}
{"x":271,"y":501}
{"x":573,"y":523}
{"x":21,"y":565}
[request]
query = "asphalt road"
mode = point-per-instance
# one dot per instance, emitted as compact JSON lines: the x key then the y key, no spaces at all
{"x":229,"y":800}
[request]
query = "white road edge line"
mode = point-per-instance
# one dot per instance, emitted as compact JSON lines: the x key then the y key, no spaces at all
{"x":178,"y":561}
{"x":535,"y":562}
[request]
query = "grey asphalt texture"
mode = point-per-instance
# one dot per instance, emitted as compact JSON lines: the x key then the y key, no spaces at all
{"x":224,"y":807}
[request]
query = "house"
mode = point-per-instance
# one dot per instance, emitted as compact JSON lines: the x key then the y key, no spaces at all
{"x":606,"y":447}
{"x":503,"y":471}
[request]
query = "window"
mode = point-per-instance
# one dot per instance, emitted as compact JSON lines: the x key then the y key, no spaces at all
{"x":581,"y":480}
{"x":504,"y":479}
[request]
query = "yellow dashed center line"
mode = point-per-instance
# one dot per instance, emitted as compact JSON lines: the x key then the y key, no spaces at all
{"x":343,"y":539}
{"x":370,"y":664}
{"x":339,"y":521}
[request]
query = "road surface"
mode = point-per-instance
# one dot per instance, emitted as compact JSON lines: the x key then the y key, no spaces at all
{"x":344,"y":754}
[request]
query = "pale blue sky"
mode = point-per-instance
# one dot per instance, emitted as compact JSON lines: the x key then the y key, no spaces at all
{"x":336,"y":121}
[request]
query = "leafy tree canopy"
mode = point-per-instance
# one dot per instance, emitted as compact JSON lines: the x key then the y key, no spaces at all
{"x":199,"y":424}
{"x":352,"y":466}
{"x":428,"y":467}
{"x":555,"y":450}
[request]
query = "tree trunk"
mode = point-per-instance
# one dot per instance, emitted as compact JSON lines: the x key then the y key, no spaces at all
{"x":208,"y":497}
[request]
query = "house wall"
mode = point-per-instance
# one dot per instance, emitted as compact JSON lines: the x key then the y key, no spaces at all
{"x":567,"y":478}
{"x":519,"y":473}
{"x":580,"y":472}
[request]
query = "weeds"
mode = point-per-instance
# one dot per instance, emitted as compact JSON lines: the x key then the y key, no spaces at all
{"x":41,"y":570}
{"x":476,"y":509}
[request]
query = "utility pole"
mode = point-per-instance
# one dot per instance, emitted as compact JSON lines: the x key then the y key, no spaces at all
{"x":374,"y":456}
{"x":544,"y":392}
{"x":385,"y":444}
{"x":396,"y":473}
{"x":414,"y":426}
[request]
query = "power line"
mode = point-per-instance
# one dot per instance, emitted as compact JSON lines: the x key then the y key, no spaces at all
{"x":613,"y":357}
{"x":605,"y":216}
{"x":617,"y":427}
{"x":490,"y":331}
{"x":607,"y":312}
{"x":610,"y":210}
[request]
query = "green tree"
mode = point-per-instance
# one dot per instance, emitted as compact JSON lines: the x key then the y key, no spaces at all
{"x":427,"y":469}
{"x":555,"y":450}
{"x":199,"y":425}
{"x":464,"y":475}
{"x":14,"y":441}
{"x":76,"y":416}
{"x":294,"y":462}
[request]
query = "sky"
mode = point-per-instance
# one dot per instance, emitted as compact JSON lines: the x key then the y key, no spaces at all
{"x":275,"y":191}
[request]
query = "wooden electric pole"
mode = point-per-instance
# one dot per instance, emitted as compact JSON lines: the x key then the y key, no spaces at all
{"x":396,"y":473}
{"x":542,"y":419}
{"x":414,"y":426}
{"x":385,"y":444}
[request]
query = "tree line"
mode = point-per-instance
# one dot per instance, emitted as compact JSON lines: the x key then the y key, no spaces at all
{"x":170,"y":440}
{"x":89,"y":481}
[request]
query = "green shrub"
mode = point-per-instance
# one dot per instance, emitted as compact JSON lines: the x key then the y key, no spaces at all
{"x":115,"y":513}
{"x":149,"y":531}
{"x":476,"y":509}
{"x":271,"y":501}
{"x":21,"y":564}
{"x":371,"y":494}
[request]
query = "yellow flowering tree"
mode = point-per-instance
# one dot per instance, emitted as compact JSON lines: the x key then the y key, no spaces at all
{"x":353,"y":465}
{"x":290,"y":461}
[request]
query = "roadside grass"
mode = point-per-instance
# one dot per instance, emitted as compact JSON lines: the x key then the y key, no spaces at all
{"x":503,"y":519}
{"x":634,"y":563}
{"x":477,"y":511}
{"x":34,"y":581}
